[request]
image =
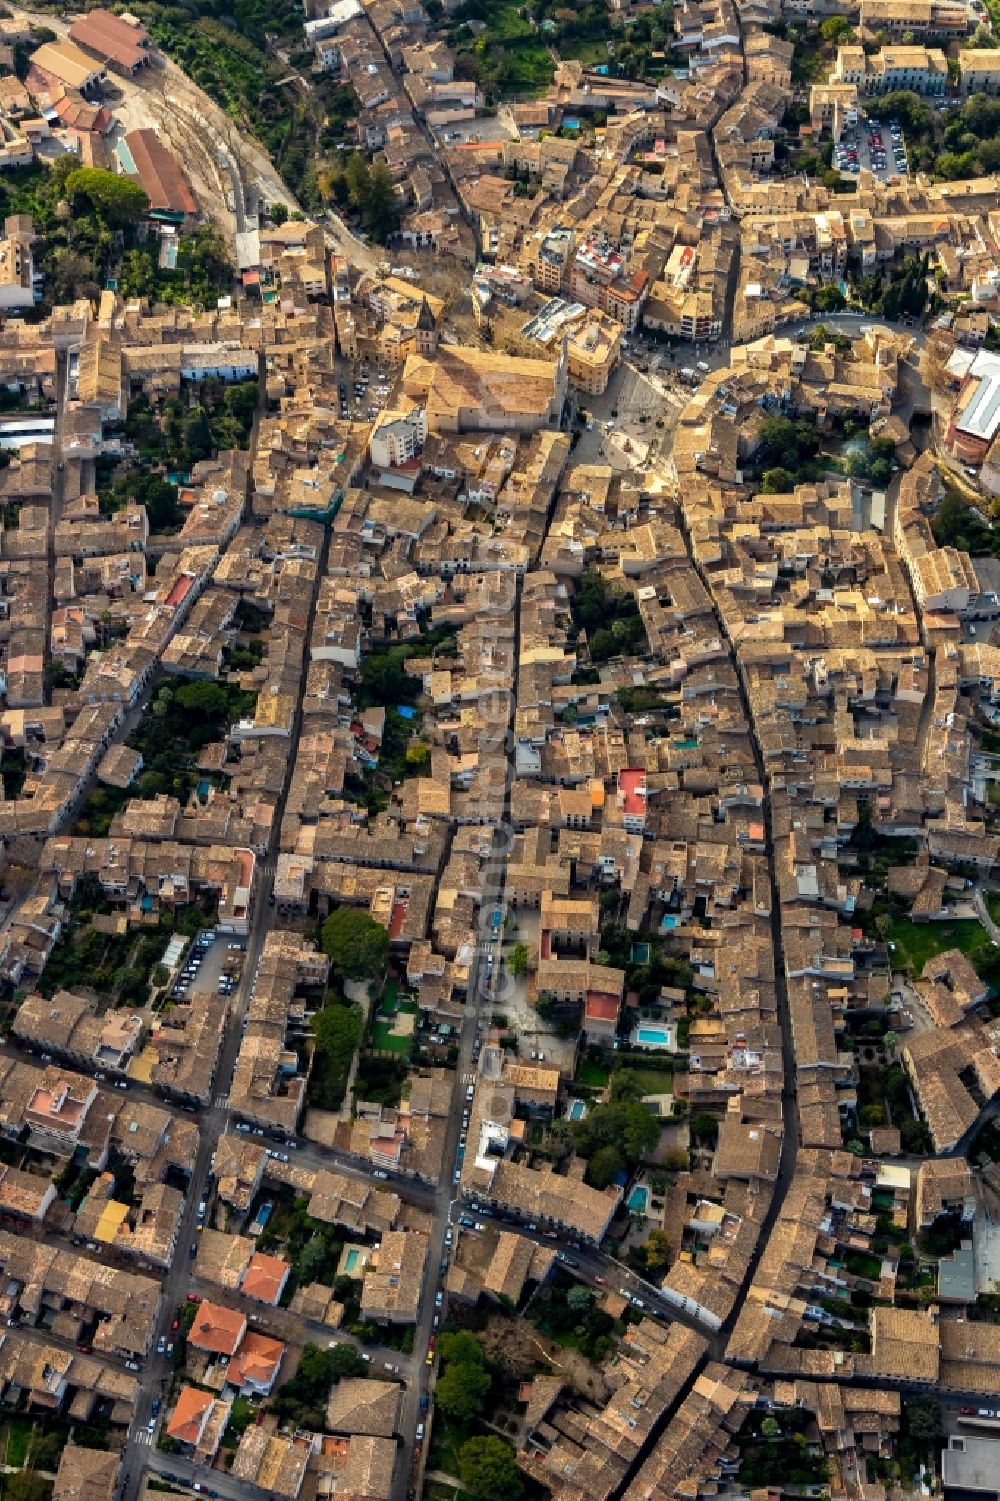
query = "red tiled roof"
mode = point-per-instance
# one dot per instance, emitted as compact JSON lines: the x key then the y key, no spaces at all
{"x":217,"y":1329}
{"x":111,"y":37}
{"x":265,"y":1277}
{"x":159,"y":173}
{"x":188,"y":1416}
{"x":256,"y":1360}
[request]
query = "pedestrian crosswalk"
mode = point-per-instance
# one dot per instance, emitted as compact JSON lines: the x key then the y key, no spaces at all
{"x":221,"y":1101}
{"x":144,"y":1437}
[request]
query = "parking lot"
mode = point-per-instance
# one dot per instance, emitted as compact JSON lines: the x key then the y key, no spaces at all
{"x":363,"y":389}
{"x":213,"y":959}
{"x":876,"y":146}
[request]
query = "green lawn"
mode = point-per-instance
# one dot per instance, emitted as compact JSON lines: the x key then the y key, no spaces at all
{"x":916,"y":943}
{"x":18,"y":1439}
{"x":593,"y":1074}
{"x":447,"y":1437}
{"x":653,"y":1080}
{"x":589,"y":51}
{"x":510,"y":57}
{"x":384,"y":1040}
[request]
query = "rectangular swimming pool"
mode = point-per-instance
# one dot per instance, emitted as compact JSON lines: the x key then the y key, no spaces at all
{"x":652,"y":1036}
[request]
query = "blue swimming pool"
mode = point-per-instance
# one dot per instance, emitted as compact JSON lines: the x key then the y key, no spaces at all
{"x":638,"y":1198}
{"x":653,"y":1036}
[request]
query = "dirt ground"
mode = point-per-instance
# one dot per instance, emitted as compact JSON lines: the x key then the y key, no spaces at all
{"x":206,"y":143}
{"x":519,"y":1349}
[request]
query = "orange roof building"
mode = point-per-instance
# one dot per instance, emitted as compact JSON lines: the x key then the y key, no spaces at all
{"x":265,"y":1277}
{"x":189,"y":1417}
{"x":159,"y":174}
{"x":217,"y":1329}
{"x":117,"y":41}
{"x":254,"y":1368}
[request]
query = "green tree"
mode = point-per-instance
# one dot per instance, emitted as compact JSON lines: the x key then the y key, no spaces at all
{"x":46,"y":1449}
{"x":461,"y":1348}
{"x":356,"y":945}
{"x":579,"y":1298}
{"x":337,"y":1032}
{"x":828,"y":298}
{"x":27,"y":1485}
{"x":119,"y":201}
{"x":159,"y":497}
{"x":206,"y":700}
{"x":380,"y":211}
{"x":418,"y":755}
{"x":657,"y":1250}
{"x":836,"y":29}
{"x":517,"y":960}
{"x":604,"y":1166}
{"x":315,"y":1259}
{"x":461,"y":1391}
{"x":923,"y":1417}
{"x":625,"y":1125}
{"x":278,"y":212}
{"x":488,"y":1467}
{"x":777,"y":481}
{"x":545,"y":1005}
{"x":316,"y":1372}
{"x":705,"y":1127}
{"x":137,"y":274}
{"x":624,"y":1085}
{"x":793,"y":445}
{"x":603,"y":645}
{"x":770,"y":1428}
{"x":358,"y":175}
{"x":196,"y":435}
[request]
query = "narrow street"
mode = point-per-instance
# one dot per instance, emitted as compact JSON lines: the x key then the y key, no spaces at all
{"x":213,"y":1120}
{"x":58,"y":494}
{"x":477,"y":1013}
